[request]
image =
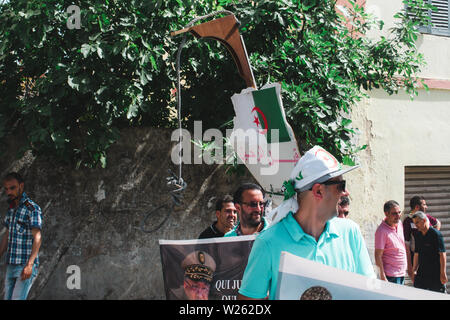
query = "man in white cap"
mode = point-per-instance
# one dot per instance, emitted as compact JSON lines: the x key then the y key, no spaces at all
{"x":305,"y":226}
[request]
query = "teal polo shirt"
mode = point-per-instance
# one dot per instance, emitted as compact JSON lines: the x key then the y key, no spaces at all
{"x":340,"y":245}
{"x":234,"y":232}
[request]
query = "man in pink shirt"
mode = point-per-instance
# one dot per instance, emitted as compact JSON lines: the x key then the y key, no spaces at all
{"x":390,"y":250}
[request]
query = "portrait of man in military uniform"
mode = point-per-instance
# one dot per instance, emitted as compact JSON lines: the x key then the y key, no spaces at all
{"x":204,"y":269}
{"x":199,"y":269}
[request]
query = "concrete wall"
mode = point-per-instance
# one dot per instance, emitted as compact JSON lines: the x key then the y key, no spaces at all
{"x":92,"y":218}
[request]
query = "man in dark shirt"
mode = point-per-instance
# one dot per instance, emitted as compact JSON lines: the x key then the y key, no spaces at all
{"x":417,"y":203}
{"x":226,"y":218}
{"x":429,"y":266}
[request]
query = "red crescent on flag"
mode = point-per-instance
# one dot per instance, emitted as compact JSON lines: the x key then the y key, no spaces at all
{"x":258,"y":110}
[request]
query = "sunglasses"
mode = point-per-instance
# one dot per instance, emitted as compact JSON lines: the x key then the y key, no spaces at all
{"x":255,"y":204}
{"x":340,"y":184}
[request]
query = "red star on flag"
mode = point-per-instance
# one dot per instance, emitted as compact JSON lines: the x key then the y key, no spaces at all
{"x":256,"y":121}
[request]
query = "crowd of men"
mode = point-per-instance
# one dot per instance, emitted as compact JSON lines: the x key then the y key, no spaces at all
{"x":311,"y":223}
{"x":414,"y":247}
{"x":311,"y":228}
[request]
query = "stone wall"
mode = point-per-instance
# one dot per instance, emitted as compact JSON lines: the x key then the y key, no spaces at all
{"x":93,"y":218}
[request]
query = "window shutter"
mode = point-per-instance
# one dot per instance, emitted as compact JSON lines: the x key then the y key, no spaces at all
{"x":440,"y":18}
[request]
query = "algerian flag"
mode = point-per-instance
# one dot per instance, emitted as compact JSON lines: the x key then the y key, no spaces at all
{"x":262,"y":137}
{"x":263,"y":110}
{"x":270,"y":114}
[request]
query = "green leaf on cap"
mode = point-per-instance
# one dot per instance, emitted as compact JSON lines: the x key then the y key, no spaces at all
{"x":289,"y":190}
{"x":299,"y":177}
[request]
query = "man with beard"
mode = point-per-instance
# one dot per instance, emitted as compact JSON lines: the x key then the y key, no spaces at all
{"x":306,"y":225}
{"x":250,"y":205}
{"x":343,"y":205}
{"x":390,"y":249}
{"x":22,"y":239}
{"x":226,"y":219}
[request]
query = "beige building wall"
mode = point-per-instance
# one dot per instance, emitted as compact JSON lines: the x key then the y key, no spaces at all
{"x":399,"y":131}
{"x":436,"y":49}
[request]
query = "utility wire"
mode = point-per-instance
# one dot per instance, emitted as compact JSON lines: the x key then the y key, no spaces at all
{"x":173,"y":180}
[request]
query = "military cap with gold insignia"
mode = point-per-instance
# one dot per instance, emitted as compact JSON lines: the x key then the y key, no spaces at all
{"x":199,"y":265}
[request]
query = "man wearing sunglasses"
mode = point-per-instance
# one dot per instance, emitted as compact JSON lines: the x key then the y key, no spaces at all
{"x":306,"y":224}
{"x":250,"y":205}
{"x":343,"y":207}
{"x":390,"y":249}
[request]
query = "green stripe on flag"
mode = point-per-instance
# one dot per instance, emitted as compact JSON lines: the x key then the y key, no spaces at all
{"x":267,"y":101}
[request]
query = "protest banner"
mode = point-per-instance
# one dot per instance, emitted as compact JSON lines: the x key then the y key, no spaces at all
{"x":204,"y":269}
{"x":302,"y":279}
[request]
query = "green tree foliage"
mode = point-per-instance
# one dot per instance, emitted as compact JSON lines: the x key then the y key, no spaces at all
{"x":70,"y":91}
